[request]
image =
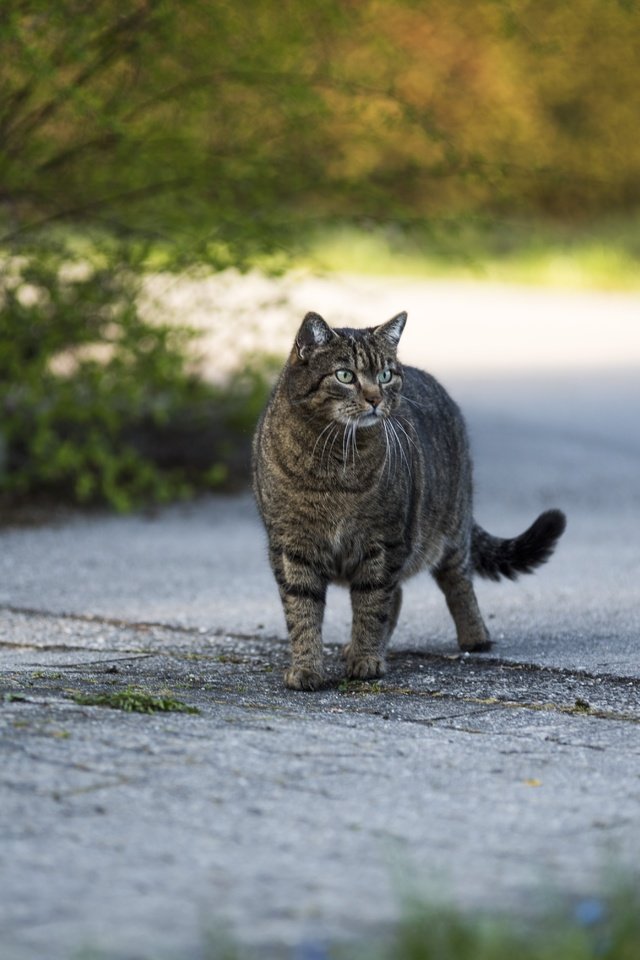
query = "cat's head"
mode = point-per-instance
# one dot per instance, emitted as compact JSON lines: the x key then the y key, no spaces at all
{"x":345,"y":375}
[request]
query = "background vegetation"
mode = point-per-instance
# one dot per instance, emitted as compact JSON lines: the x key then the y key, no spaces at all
{"x":159,"y":135}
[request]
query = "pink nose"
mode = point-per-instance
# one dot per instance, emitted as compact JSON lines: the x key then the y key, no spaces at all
{"x":374,"y":401}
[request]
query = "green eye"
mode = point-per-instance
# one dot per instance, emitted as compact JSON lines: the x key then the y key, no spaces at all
{"x":384,"y":376}
{"x":345,"y":376}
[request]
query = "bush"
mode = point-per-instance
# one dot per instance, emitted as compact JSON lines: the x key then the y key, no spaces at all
{"x":99,"y":405}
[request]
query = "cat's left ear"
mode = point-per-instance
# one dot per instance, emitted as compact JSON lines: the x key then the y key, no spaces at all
{"x":391,"y":331}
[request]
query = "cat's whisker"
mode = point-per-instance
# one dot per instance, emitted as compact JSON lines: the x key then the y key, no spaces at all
{"x":352,"y":440}
{"x":414,"y":403}
{"x":345,"y":447}
{"x":400,"y":447}
{"x":409,"y":438}
{"x":332,"y":433}
{"x":386,"y":447}
{"x":320,"y":435}
{"x":333,"y":443}
{"x":356,"y":452}
{"x":396,"y":446}
{"x":388,"y":455}
{"x":392,"y":451}
{"x":391,"y":446}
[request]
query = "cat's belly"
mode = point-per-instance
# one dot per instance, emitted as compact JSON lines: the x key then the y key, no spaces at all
{"x":425,"y":556}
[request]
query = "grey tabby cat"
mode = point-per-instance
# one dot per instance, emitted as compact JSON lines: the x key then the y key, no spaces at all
{"x":362,"y":475}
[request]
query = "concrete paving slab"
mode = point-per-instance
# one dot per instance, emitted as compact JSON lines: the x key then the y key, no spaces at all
{"x":286,"y":817}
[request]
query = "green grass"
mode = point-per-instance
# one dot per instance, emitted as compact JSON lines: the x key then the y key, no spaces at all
{"x":133,"y":700}
{"x":433,"y":935}
{"x":594,"y":929}
{"x":604,"y":255}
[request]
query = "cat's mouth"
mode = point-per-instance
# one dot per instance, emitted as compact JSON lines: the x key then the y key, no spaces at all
{"x":369,"y":418}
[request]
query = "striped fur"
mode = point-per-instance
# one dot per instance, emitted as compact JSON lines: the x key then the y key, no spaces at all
{"x":365,"y":483}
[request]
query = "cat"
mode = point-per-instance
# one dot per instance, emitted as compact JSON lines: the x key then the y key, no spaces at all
{"x":362,"y":476}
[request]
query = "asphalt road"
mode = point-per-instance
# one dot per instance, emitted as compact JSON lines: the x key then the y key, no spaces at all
{"x":498,"y":782}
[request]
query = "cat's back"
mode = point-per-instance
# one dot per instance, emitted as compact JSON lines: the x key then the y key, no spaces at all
{"x":271,"y":455}
{"x":429,"y":406}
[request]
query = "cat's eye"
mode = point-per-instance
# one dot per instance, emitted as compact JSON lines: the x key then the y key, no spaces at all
{"x":345,"y":376}
{"x":384,"y":376}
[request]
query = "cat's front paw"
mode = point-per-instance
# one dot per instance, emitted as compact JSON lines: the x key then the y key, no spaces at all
{"x":301,"y":678}
{"x":365,"y":668}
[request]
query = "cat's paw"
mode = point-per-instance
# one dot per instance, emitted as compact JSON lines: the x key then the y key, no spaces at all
{"x":301,"y":678}
{"x":477,"y":642}
{"x":482,"y":646}
{"x":365,"y":668}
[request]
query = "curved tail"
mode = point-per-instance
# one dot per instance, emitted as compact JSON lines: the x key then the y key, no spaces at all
{"x":494,"y":557}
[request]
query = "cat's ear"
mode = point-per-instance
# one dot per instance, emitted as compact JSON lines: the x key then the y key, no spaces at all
{"x":314,"y":332}
{"x":391,"y":331}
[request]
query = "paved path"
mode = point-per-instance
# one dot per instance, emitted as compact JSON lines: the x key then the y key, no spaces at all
{"x":491,"y":781}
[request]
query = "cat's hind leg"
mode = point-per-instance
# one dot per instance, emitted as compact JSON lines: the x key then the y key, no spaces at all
{"x":453,"y":576}
{"x":396,"y":604}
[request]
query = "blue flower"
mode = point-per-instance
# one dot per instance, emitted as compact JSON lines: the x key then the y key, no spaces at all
{"x":310,"y":950}
{"x":589,"y":912}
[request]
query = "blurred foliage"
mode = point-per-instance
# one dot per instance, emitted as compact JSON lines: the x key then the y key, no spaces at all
{"x":100,"y":404}
{"x":496,"y":106}
{"x":197,"y":124}
{"x":599,"y":927}
{"x":220,"y":129}
{"x":602,"y":255}
{"x":162,"y":134}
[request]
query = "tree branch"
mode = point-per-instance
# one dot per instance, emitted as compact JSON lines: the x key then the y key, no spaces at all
{"x":45,"y":111}
{"x":101,"y":202}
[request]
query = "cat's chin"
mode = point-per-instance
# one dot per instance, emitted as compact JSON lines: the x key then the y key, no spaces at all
{"x":368,"y":420}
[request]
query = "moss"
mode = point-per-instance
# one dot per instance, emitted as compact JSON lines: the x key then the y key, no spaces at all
{"x":133,"y":700}
{"x":360,"y":686}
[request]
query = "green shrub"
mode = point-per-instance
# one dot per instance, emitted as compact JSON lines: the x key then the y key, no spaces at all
{"x":99,"y":405}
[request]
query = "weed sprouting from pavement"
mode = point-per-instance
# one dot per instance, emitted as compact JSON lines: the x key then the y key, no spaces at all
{"x":360,"y":686}
{"x":133,"y":700}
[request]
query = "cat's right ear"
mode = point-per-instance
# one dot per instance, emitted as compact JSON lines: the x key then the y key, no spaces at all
{"x":391,"y":331}
{"x":313,"y":332}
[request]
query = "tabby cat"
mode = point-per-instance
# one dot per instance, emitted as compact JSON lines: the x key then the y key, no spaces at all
{"x":362,"y":475}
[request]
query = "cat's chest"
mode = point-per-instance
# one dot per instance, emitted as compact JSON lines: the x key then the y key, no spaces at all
{"x":343,"y":545}
{"x":340,"y":542}
{"x":346,"y":541}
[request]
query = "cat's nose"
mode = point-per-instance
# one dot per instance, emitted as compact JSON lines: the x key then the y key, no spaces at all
{"x":374,"y":401}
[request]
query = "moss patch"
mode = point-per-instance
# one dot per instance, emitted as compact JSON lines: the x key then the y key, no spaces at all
{"x":133,"y":700}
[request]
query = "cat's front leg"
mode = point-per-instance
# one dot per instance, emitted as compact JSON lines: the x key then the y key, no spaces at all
{"x":303,"y":592}
{"x":375,"y":611}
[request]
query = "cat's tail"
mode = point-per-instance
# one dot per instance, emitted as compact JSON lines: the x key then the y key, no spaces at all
{"x":495,"y":557}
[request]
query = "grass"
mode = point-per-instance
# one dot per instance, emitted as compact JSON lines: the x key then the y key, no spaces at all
{"x":595,"y":929}
{"x":429,"y":934}
{"x":133,"y":700}
{"x":360,"y":686}
{"x":602,"y":255}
